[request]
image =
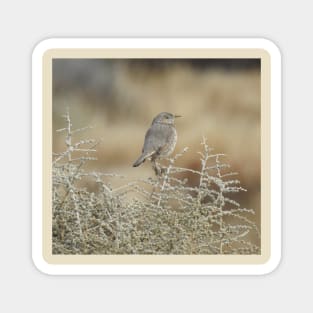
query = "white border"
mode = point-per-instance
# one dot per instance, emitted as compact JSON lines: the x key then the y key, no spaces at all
{"x":164,"y":269}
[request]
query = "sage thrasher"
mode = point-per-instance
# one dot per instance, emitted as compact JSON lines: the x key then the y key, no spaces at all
{"x":160,"y":139}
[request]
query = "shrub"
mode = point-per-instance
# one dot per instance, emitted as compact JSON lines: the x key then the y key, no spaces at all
{"x":159,"y":215}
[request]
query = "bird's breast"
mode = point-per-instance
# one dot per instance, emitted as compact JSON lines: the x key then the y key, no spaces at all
{"x":170,"y":142}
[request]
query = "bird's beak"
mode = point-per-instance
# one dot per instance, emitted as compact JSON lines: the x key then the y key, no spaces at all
{"x":177,"y":116}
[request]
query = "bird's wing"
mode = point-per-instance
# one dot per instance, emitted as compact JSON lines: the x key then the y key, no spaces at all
{"x":155,"y":139}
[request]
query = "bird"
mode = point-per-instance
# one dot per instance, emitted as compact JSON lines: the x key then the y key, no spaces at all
{"x":160,"y":139}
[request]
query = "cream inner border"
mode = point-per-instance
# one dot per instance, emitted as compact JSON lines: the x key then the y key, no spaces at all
{"x":51,"y":54}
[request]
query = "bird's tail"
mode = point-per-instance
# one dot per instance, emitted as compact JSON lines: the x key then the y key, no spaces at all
{"x":141,"y":159}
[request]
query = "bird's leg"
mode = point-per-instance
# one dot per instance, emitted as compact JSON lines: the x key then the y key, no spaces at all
{"x":159,"y":171}
{"x":156,"y":168}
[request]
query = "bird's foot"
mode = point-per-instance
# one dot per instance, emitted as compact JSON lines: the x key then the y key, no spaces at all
{"x":158,"y":170}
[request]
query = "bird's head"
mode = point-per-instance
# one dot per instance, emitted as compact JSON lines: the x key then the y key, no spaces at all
{"x":165,"y":118}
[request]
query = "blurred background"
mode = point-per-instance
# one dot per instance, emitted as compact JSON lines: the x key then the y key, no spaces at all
{"x":218,"y":98}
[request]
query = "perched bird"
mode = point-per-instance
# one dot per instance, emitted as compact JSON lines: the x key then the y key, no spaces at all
{"x":160,"y":139}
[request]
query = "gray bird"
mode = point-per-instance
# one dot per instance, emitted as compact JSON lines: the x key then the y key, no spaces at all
{"x":160,"y":139}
